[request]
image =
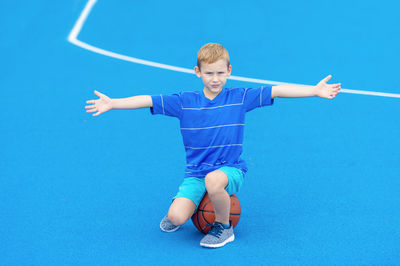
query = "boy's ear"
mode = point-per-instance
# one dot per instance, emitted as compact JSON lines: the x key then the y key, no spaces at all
{"x":229,"y":70}
{"x":197,"y":71}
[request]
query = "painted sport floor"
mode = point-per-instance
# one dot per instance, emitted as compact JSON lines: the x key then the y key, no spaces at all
{"x":323,"y":182}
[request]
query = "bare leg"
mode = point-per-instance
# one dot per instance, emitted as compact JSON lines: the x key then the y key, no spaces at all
{"x":216,"y":183}
{"x":181,"y":210}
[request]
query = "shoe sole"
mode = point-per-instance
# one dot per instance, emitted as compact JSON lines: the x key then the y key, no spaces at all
{"x":229,"y":239}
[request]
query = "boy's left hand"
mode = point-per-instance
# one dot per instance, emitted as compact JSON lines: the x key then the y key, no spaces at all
{"x":328,"y":91}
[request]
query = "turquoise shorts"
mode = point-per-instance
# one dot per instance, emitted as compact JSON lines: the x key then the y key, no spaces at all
{"x":194,"y":188}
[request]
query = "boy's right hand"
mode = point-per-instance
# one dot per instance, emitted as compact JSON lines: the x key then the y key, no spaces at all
{"x":101,"y":105}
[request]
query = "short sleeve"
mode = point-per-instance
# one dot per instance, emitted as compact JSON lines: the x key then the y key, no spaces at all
{"x":257,"y":97}
{"x":169,"y":105}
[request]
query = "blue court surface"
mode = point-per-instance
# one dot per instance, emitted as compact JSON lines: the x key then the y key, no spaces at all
{"x":323,"y":186}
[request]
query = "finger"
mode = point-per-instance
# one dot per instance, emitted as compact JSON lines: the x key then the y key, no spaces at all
{"x":327,"y":78}
{"x":96,"y":114}
{"x":91,"y":102}
{"x":91,"y":110}
{"x":333,"y":95}
{"x":337,"y":85}
{"x":90,"y":106}
{"x":99,"y":94}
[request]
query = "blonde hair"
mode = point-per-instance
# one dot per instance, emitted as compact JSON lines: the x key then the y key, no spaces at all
{"x":212,"y":52}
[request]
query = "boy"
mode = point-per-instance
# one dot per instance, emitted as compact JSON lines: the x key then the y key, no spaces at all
{"x":212,"y":125}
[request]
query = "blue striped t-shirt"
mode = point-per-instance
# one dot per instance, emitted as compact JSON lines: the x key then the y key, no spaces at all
{"x":212,"y":130}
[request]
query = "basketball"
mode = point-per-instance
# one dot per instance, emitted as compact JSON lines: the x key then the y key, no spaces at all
{"x":205,"y":215}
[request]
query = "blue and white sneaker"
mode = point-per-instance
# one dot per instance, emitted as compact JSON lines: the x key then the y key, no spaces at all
{"x":218,"y":236}
{"x":167,"y":226}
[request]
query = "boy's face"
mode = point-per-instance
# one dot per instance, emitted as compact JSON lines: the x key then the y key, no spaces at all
{"x":214,"y":76}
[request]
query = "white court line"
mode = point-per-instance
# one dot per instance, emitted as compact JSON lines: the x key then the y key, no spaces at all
{"x":73,"y":38}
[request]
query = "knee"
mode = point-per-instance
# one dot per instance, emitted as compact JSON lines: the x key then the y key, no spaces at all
{"x":216,"y":181}
{"x":176,"y":218}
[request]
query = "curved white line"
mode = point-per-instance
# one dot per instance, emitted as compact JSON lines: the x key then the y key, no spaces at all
{"x":210,"y":147}
{"x":200,"y":128}
{"x":73,"y":38}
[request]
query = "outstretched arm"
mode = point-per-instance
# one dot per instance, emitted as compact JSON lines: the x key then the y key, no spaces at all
{"x":322,"y":89}
{"x":104,"y":103}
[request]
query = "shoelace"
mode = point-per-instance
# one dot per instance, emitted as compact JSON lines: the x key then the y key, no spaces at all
{"x":216,"y":230}
{"x":168,"y":224}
